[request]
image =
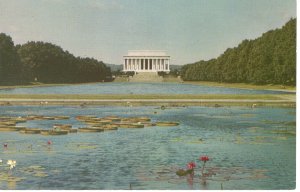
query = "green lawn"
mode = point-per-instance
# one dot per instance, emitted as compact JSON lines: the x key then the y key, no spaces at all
{"x":39,"y":84}
{"x":150,"y":96}
{"x":243,"y":85}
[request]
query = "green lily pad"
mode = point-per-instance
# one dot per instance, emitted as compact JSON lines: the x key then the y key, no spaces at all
{"x":284,"y":132}
{"x":55,"y":171}
{"x":291,"y":123}
{"x":40,"y":174}
{"x":248,"y":115}
{"x":182,"y":172}
{"x":81,"y":146}
{"x":4,"y":176}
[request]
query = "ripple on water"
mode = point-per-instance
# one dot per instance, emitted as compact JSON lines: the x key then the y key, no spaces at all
{"x":243,"y":151}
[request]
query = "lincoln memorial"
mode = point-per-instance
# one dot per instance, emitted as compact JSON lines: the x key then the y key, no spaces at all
{"x":146,"y":61}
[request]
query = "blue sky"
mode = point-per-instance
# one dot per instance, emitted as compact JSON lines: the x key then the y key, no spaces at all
{"x":190,"y":30}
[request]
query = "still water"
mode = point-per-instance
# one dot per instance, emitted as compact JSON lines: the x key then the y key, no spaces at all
{"x":134,"y":88}
{"x":246,"y":147}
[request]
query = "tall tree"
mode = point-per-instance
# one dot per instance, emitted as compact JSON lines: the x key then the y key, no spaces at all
{"x":49,"y":63}
{"x":10,"y":65}
{"x":269,"y":59}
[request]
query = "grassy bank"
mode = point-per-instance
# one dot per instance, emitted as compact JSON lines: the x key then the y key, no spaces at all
{"x":38,"y":84}
{"x":150,"y":96}
{"x":153,"y":100}
{"x":243,"y":85}
{"x":158,"y":104}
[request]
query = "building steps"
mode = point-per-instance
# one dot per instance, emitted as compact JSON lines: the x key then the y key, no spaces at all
{"x":146,"y":77}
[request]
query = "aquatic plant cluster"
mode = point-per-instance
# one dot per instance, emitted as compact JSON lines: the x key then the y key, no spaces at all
{"x":191,"y":166}
{"x":11,"y":163}
{"x":93,"y":124}
{"x":224,"y":148}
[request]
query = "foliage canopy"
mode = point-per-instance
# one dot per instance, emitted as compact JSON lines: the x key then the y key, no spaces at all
{"x":269,"y":59}
{"x":46,"y":63}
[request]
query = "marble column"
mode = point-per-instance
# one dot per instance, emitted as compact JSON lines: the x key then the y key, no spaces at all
{"x":133,"y":64}
{"x":124,"y":64}
{"x":142,"y":64}
{"x":158,"y":64}
{"x":135,"y":68}
{"x":128,"y":64}
{"x":140,"y":67}
{"x":166,"y":64}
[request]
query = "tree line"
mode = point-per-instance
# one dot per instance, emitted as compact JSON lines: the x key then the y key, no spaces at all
{"x":269,"y":59}
{"x":46,"y":63}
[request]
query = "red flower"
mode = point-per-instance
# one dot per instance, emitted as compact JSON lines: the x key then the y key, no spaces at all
{"x":49,"y":142}
{"x":204,"y":158}
{"x":191,"y":165}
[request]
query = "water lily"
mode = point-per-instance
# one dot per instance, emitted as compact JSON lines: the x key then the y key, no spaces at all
{"x":204,"y":158}
{"x":49,"y":142}
{"x":1,"y":161}
{"x":11,"y":163}
{"x":191,"y":165}
{"x":181,"y":172}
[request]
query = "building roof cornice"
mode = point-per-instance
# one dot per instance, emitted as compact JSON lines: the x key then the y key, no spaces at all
{"x":148,"y":53}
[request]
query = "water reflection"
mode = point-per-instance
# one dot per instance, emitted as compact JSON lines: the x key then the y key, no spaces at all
{"x":135,"y":88}
{"x":244,"y":148}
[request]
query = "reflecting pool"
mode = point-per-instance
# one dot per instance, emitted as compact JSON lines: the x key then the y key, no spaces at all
{"x":134,"y":88}
{"x":248,"y":149}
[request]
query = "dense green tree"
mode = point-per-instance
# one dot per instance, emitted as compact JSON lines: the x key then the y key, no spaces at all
{"x":10,"y":65}
{"x":269,"y":59}
{"x":49,"y":63}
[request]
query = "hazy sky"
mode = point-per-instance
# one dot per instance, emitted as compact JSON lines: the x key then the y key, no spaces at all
{"x":190,"y":30}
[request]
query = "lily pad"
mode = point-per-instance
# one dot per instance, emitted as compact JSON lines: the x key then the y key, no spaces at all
{"x":284,"y":132}
{"x":5,"y":176}
{"x":247,"y":115}
{"x":40,"y":174}
{"x":81,"y":146}
{"x":55,"y":171}
{"x":196,"y":142}
{"x":34,"y":170}
{"x":291,"y":123}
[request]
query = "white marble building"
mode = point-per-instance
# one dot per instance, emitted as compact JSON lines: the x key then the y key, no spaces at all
{"x":146,"y":61}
